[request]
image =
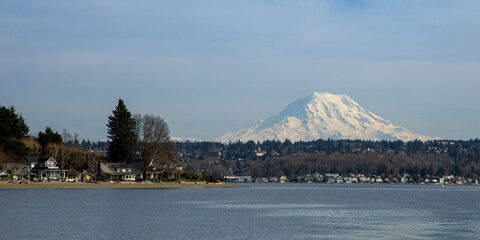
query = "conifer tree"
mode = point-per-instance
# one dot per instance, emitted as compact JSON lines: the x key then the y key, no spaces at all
{"x":49,"y":137}
{"x":12,"y":129}
{"x":122,"y":134}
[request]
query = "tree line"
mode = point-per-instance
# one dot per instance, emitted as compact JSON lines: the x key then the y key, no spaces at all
{"x":15,"y":143}
{"x":141,"y":139}
{"x":277,"y":158}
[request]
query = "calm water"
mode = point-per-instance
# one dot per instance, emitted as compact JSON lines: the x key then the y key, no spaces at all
{"x":262,"y":211}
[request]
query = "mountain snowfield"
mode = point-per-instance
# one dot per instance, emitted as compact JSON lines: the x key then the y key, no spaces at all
{"x":323,"y":115}
{"x":180,"y":139}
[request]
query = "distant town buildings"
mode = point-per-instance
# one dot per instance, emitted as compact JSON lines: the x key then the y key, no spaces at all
{"x":353,"y":179}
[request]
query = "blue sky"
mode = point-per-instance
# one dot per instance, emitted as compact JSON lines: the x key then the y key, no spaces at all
{"x":210,"y":67}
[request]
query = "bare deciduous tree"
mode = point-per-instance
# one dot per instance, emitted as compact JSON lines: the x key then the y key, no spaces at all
{"x":67,"y":157}
{"x":66,"y":136}
{"x":154,"y":142}
{"x":92,"y":160}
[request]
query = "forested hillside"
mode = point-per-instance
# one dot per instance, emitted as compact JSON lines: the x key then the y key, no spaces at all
{"x":276,"y":158}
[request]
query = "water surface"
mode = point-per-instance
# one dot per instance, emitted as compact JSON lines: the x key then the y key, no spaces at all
{"x":262,"y":211}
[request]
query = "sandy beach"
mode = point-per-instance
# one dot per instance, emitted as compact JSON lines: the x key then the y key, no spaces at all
{"x":79,"y":185}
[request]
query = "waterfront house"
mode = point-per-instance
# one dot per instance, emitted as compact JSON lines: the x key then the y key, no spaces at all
{"x":169,"y":170}
{"x":363,"y":179}
{"x":240,"y":179}
{"x":79,"y":175}
{"x":273,"y":179}
{"x":350,"y":180}
{"x":73,"y":176}
{"x":116,"y":172}
{"x":18,"y":171}
{"x":44,"y":168}
{"x":153,"y":173}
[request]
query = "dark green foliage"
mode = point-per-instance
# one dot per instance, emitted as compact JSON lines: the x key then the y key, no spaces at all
{"x":49,"y":137}
{"x":190,"y":176}
{"x":12,"y":125}
{"x":381,"y":169}
{"x":440,"y":172}
{"x":12,"y":130}
{"x":15,"y":147}
{"x":423,"y":172}
{"x":457,"y":170}
{"x":122,"y":134}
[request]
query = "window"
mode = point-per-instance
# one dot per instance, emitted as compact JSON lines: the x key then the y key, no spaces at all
{"x":50,"y":164}
{"x":16,"y":169}
{"x":25,"y":169}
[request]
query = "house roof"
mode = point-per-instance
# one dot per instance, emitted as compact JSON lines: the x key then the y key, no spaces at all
{"x":135,"y":167}
{"x":153,"y":170}
{"x":15,"y":164}
{"x":112,"y":168}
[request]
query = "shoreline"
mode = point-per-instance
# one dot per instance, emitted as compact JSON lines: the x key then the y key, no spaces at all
{"x":127,"y":185}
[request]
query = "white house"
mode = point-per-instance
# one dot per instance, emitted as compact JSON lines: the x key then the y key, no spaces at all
{"x":44,"y":168}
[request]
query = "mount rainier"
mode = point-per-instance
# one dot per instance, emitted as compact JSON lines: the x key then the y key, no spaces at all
{"x":323,"y":115}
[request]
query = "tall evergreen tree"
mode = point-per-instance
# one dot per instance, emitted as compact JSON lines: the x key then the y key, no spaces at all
{"x":12,"y":125}
{"x":49,"y":137}
{"x":122,"y":134}
{"x":12,"y":130}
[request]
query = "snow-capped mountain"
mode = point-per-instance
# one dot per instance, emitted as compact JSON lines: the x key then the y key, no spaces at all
{"x":323,"y":115}
{"x":180,"y":139}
